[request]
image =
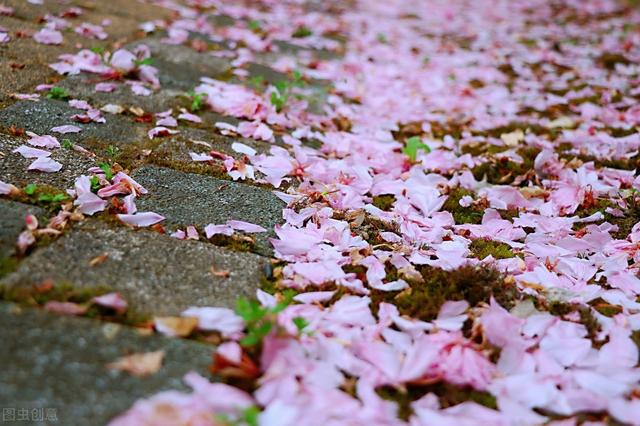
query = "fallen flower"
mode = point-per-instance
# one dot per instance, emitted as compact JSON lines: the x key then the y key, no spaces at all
{"x":48,"y":36}
{"x":139,"y":364}
{"x":68,"y":128}
{"x":65,"y":308}
{"x":45,"y":164}
{"x":175,"y":326}
{"x":141,"y":219}
{"x":8,"y":189}
{"x":28,"y":152}
{"x":111,"y":300}
{"x":44,"y":141}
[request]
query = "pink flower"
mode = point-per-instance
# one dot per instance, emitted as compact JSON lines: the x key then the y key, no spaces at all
{"x":123,"y":60}
{"x":91,"y":31}
{"x":66,"y":129}
{"x":88,"y":203}
{"x":245,"y":226}
{"x":45,"y":164}
{"x":141,"y":219}
{"x":45,"y":141}
{"x":111,"y":300}
{"x":216,"y":319}
{"x":48,"y":36}
{"x":28,"y":152}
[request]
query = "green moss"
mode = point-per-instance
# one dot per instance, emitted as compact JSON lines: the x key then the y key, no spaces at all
{"x":472,"y":214}
{"x":609,"y":60}
{"x":473,"y":284}
{"x":384,"y":202}
{"x":48,"y":197}
{"x":64,"y":292}
{"x":625,"y":223}
{"x":504,"y":171}
{"x":482,"y":248}
{"x":447,"y":393}
{"x":8,"y":265}
{"x":235,"y":242}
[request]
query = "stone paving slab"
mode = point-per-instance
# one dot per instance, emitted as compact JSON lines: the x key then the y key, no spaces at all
{"x":57,"y":362}
{"x":40,"y":117}
{"x":13,"y":166}
{"x":123,"y":8}
{"x":12,"y":215}
{"x":193,"y":199}
{"x":156,"y":273}
{"x":179,"y":70}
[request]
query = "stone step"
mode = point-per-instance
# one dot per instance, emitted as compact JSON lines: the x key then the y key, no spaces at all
{"x":155,"y":273}
{"x":57,"y":366}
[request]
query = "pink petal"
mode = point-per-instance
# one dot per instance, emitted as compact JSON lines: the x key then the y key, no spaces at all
{"x":45,"y":164}
{"x":65,"y":308}
{"x":111,"y":300}
{"x":28,"y":152}
{"x":48,"y":36}
{"x":68,"y":128}
{"x":44,"y":141}
{"x":245,"y":226}
{"x":141,"y":219}
{"x":210,"y":230}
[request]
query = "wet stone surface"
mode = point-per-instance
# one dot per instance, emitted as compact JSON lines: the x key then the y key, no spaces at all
{"x":59,"y":362}
{"x":155,"y":273}
{"x":12,"y":215}
{"x":201,"y":200}
{"x":13,"y":166}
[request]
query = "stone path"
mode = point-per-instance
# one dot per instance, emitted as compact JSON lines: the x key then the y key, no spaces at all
{"x":342,"y":212}
{"x":56,"y":362}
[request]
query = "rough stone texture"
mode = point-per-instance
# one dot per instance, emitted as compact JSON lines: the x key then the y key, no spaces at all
{"x":155,"y":273}
{"x":192,"y":199}
{"x":179,"y":70}
{"x":13,"y":166}
{"x":40,"y":117}
{"x":174,"y":151}
{"x":81,"y":86}
{"x":12,"y":215}
{"x":50,"y":361}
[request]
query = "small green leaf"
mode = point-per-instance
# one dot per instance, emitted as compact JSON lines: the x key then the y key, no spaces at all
{"x":250,"y":415}
{"x":45,"y":198}
{"x":302,"y":32}
{"x":58,"y":93}
{"x":106,"y":168}
{"x":300,"y":323}
{"x":95,"y":183}
{"x":412,"y":145}
{"x":98,"y":49}
{"x":30,"y":189}
{"x":59,"y":197}
{"x":257,"y":81}
{"x":197,"y":100}
{"x":113,"y":151}
{"x":66,"y":143}
{"x":145,"y":61}
{"x":254,"y":25}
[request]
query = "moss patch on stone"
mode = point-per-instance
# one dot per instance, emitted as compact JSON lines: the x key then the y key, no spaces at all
{"x":39,"y":295}
{"x":472,"y":214}
{"x":384,"y":202}
{"x":471,"y":283}
{"x":448,"y":394}
{"x":8,"y":265}
{"x":482,"y":248}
